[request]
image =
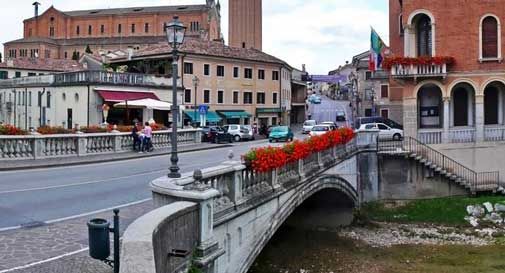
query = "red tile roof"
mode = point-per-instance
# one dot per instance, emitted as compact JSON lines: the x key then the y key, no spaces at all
{"x":209,"y":48}
{"x":56,"y":65}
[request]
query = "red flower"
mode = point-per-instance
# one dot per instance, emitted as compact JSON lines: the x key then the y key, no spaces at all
{"x":423,"y":60}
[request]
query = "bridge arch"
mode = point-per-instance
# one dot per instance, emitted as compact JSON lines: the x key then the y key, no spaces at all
{"x":323,"y":182}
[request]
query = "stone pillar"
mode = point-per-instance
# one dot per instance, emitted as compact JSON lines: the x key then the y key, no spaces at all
{"x":81,"y":145}
{"x":479,"y":118}
{"x":446,"y":120}
{"x":410,"y":117}
{"x":37,"y":147}
{"x":116,"y":142}
{"x":198,"y":136}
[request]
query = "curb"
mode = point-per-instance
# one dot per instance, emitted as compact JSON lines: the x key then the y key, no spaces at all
{"x":89,"y":162}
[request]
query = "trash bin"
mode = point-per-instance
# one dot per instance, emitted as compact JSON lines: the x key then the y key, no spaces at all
{"x":99,"y":243}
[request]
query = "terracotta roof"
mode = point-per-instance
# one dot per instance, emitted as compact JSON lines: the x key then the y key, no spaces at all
{"x":136,"y":10}
{"x":33,"y":40}
{"x":93,"y":41}
{"x":56,"y":65}
{"x":210,"y":48}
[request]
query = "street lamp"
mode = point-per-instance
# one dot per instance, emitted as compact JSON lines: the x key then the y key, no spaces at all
{"x":175,"y":31}
{"x":196,"y":81}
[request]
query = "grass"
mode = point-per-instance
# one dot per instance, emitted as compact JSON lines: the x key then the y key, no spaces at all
{"x":446,"y":211}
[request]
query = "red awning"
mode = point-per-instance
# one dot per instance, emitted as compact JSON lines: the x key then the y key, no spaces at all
{"x":120,"y":96}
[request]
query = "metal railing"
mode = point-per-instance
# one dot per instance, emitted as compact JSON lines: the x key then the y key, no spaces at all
{"x":104,"y":77}
{"x":475,"y":181}
{"x":418,"y":70}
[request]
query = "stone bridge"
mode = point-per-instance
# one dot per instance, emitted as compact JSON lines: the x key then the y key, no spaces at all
{"x":220,"y":219}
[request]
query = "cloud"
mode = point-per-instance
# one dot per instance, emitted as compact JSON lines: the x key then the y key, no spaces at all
{"x":322,"y":34}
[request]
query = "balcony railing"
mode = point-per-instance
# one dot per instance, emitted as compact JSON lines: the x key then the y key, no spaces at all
{"x":418,"y":70}
{"x":103,"y":77}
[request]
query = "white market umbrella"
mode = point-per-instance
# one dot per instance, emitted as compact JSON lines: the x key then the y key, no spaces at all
{"x":145,"y":103}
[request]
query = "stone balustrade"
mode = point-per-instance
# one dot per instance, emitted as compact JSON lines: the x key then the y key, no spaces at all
{"x":52,"y":146}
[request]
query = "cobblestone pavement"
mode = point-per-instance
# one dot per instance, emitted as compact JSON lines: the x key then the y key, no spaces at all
{"x":25,"y":246}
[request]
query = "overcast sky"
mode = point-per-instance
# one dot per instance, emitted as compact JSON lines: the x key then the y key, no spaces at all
{"x":322,"y":34}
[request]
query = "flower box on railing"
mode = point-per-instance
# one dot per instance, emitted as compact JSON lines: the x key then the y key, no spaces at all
{"x":405,"y":67}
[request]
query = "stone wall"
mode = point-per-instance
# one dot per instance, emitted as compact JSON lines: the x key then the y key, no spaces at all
{"x":401,"y":178}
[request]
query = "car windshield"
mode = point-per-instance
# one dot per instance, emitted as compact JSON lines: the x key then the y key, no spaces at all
{"x":310,"y":123}
{"x":280,"y":129}
{"x":321,"y":128}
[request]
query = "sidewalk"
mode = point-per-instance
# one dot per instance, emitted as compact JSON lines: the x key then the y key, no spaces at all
{"x":22,"y":247}
{"x":8,"y":165}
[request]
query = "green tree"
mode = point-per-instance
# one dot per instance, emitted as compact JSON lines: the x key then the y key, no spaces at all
{"x":88,"y":50}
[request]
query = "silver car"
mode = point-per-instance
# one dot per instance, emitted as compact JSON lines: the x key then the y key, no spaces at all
{"x":239,"y":132}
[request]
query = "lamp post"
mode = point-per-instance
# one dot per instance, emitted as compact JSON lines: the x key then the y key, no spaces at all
{"x":175,"y":31}
{"x":196,"y":81}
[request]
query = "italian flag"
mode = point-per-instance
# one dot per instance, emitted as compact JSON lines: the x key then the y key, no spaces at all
{"x":377,"y":47}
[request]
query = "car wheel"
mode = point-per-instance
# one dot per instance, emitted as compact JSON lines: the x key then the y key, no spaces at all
{"x":290,"y":139}
{"x":230,"y":140}
{"x":237,"y":138}
{"x":397,"y":137}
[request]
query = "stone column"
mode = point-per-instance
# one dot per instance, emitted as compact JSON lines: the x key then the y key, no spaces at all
{"x":479,"y":118}
{"x":446,"y":120}
{"x":410,"y":117}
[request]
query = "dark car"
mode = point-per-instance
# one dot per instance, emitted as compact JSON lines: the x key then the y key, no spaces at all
{"x":216,"y":134}
{"x":367,"y":120}
{"x":341,"y":116}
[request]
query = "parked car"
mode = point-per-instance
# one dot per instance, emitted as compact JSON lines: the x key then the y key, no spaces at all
{"x":238,"y":132}
{"x":385,"y":132}
{"x":365,"y":120}
{"x":280,"y":133}
{"x":321,"y":129}
{"x":307,"y":126}
{"x":341,"y":116}
{"x":249,"y":128}
{"x":332,"y":124}
{"x":216,"y":134}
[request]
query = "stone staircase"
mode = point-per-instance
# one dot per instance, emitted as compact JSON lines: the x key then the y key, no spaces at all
{"x":439,"y":163}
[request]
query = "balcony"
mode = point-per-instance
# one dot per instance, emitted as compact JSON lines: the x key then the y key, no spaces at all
{"x":103,"y":77}
{"x":422,"y":67}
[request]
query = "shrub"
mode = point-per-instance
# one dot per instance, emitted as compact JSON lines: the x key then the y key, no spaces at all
{"x":57,"y":130}
{"x":93,"y":129}
{"x":11,"y":130}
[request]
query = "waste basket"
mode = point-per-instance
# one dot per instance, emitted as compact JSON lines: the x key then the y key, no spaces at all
{"x":99,"y":243}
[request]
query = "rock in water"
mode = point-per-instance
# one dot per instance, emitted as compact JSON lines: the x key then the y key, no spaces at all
{"x":489,"y":207}
{"x":478,"y":211}
{"x":472,"y":220}
{"x":499,"y":207}
{"x":496,"y":218}
{"x":469,"y":209}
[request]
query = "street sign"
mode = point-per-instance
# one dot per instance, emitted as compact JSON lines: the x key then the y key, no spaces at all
{"x":203,"y":109}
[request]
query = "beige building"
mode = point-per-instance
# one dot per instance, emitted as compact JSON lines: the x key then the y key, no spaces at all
{"x":239,"y":85}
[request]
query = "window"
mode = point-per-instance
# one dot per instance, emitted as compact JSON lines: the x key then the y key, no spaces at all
{"x":275,"y":75}
{"x":78,"y":30}
{"x":424,"y":36}
{"x":187,"y":96}
{"x":248,"y":73}
{"x":30,"y":32}
{"x":47,"y":53}
{"x":248,"y":98}
{"x":48,"y":99}
{"x":235,"y":97}
{"x":489,"y":34}
{"x":220,"y":71}
{"x":261,"y":74}
{"x":133,"y":28}
{"x":274,"y":98}
{"x":30,"y":98}
{"x":194,"y":26}
{"x":164,"y":27}
{"x":206,"y":69}
{"x":385,"y":113}
{"x":384,"y":91}
{"x":206,"y":96}
{"x":17,"y":74}
{"x":30,"y":74}
{"x":119,"y":28}
{"x":368,"y":75}
{"x":3,"y":75}
{"x":102,"y":29}
{"x":260,"y":98}
{"x":90,"y":29}
{"x":220,"y":96}
{"x":243,"y":45}
{"x":66,"y":55}
{"x":39,"y":99}
{"x":400,"y":25}
{"x":146,"y":28}
{"x":382,"y":127}
{"x":188,"y":68}
{"x":236,"y":72}
{"x":51,"y":31}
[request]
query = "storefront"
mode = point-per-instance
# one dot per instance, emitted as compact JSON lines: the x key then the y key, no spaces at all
{"x":236,"y":117}
{"x":193,"y":117}
{"x":268,"y":116}
{"x":124,"y":115}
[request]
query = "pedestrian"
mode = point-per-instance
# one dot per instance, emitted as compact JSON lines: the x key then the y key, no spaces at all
{"x":136,"y":138}
{"x":148,"y":133}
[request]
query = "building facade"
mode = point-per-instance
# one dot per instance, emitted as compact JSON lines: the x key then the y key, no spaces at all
{"x":23,"y":67}
{"x":58,"y":34}
{"x":449,"y":69}
{"x":299,"y":97}
{"x":246,"y":23}
{"x":75,"y":99}
{"x":239,"y":85}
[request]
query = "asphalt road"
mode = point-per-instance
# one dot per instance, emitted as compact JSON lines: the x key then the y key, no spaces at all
{"x":31,"y":196}
{"x":327,"y":110}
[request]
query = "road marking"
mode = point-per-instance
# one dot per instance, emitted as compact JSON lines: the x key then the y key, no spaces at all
{"x":44,"y":261}
{"x":82,"y":214}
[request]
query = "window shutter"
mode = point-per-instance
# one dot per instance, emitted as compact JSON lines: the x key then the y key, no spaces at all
{"x":384,"y":91}
{"x":489,"y":38}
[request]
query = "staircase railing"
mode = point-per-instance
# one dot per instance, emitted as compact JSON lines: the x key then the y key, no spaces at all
{"x":476,"y":181}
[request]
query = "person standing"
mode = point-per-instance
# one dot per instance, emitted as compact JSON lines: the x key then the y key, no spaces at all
{"x":136,"y":138}
{"x":148,"y":133}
